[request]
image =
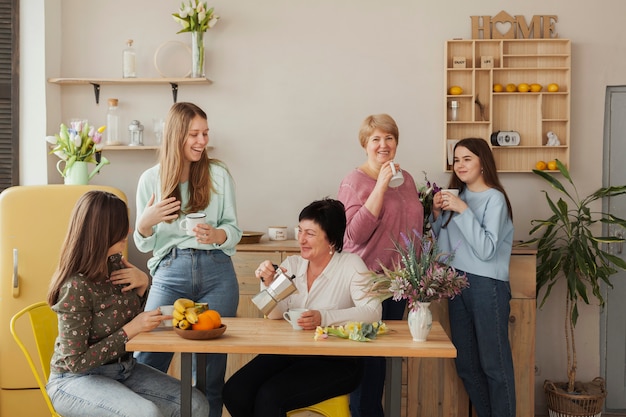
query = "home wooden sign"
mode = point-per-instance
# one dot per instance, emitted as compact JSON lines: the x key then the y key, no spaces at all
{"x":505,"y":26}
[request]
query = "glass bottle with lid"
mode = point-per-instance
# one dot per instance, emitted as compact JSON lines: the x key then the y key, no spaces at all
{"x":129,"y":70}
{"x":113,"y":124}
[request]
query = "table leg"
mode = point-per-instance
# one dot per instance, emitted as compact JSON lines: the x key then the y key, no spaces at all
{"x":201,"y":371}
{"x":186,"y":383}
{"x":393,"y":387}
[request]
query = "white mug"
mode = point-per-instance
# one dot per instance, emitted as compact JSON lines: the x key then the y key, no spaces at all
{"x":166,"y":311}
{"x":277,"y":232}
{"x":453,"y":191}
{"x":397,"y":179}
{"x":293,"y":315}
{"x":191,"y":221}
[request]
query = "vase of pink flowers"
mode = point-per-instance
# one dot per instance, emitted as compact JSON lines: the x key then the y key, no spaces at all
{"x":422,"y":275}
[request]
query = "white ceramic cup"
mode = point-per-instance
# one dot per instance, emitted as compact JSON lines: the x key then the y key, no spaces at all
{"x":191,"y":221}
{"x":397,"y":179}
{"x":296,"y":232}
{"x":277,"y":232}
{"x":293,"y":315}
{"x":166,"y":311}
{"x":452,"y":191}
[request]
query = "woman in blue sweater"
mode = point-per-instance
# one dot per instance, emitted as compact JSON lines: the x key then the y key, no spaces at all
{"x":478,"y":226}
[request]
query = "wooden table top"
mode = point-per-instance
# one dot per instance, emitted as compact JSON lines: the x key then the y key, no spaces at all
{"x":258,"y":335}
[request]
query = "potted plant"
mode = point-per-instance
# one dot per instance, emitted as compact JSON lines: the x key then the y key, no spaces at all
{"x":570,"y":249}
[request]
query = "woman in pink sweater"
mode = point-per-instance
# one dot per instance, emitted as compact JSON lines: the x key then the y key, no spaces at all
{"x":377,"y":213}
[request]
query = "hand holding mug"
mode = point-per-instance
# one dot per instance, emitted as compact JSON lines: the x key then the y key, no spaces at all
{"x":191,"y":221}
{"x":397,"y":178}
{"x":292,"y":316}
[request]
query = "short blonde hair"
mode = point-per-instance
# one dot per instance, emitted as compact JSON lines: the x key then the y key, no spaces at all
{"x":383,"y":122}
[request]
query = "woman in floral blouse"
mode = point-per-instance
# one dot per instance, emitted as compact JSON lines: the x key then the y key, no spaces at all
{"x":99,"y":297}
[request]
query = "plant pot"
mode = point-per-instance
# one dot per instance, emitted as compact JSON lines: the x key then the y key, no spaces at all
{"x":586,"y":401}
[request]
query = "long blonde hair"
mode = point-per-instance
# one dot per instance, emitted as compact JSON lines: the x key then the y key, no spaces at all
{"x":98,"y":221}
{"x":171,"y":159}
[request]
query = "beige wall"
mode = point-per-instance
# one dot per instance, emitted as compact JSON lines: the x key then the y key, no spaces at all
{"x":292,"y":81}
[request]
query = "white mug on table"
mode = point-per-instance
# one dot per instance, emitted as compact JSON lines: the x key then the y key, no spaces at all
{"x":293,"y":315}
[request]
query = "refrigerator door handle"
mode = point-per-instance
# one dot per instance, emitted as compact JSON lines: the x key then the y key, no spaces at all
{"x":16,"y":280}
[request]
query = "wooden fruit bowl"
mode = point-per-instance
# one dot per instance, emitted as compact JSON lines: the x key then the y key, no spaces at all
{"x":201,"y":334}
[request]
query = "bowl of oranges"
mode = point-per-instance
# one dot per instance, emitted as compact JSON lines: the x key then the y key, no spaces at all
{"x":196,"y":321}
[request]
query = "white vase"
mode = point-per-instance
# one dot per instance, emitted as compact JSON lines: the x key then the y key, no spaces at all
{"x":420,"y":322}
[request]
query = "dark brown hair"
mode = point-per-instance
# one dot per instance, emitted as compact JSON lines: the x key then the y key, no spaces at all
{"x":98,"y":221}
{"x":480,"y":148}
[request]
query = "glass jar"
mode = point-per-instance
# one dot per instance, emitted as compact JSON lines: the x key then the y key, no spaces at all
{"x":135,"y":133}
{"x":453,"y":111}
{"x":113,"y":124}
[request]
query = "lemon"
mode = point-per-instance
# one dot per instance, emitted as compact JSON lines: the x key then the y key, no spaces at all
{"x":553,"y":87}
{"x":511,"y":88}
{"x":498,"y":88}
{"x":456,"y":90}
{"x":552,"y":165}
{"x":541,"y":165}
{"x":535,"y":88}
{"x":523,"y":88}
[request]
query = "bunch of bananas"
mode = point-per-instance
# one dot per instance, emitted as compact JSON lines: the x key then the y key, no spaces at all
{"x":186,"y":312}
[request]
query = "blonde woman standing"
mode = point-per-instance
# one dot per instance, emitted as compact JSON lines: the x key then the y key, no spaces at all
{"x":197,"y":267}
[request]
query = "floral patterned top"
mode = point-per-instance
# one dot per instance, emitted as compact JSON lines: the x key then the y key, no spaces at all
{"x":91,"y":315}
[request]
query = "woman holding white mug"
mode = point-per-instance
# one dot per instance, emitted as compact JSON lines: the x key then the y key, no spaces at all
{"x":192,"y":262}
{"x":376,"y":213}
{"x":330,"y":286}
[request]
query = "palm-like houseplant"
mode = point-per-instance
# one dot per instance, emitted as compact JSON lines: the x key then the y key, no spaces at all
{"x":569,"y":249}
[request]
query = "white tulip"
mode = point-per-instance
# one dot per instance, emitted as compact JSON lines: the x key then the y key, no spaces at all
{"x":51,"y":139}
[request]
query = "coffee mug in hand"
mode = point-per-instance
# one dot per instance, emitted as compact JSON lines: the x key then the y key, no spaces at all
{"x":397,"y":179}
{"x":191,"y":221}
{"x":293,"y":315}
{"x":452,"y":191}
{"x":166,"y":311}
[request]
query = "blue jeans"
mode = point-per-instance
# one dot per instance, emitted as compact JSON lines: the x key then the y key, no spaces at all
{"x":479,"y":322}
{"x":202,"y":276}
{"x":366,"y":400}
{"x":119,"y":389}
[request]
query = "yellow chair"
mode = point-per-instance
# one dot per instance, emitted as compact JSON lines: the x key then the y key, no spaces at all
{"x":333,"y":407}
{"x":43,"y":322}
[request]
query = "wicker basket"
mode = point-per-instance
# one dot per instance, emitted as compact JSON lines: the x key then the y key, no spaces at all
{"x":563,"y":404}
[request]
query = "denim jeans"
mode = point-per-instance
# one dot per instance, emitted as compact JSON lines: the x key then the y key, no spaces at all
{"x":120,"y":389}
{"x":202,"y":276}
{"x":367,"y":399}
{"x":479,"y":322}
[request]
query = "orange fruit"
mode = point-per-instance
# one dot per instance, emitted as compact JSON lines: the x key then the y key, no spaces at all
{"x":498,"y":88}
{"x":511,"y":88}
{"x":541,"y":165}
{"x":207,"y":320}
{"x":552,"y":165}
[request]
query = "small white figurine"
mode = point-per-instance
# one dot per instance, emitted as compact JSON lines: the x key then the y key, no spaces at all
{"x":553,"y":139}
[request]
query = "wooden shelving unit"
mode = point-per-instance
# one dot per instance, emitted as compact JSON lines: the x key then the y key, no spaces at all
{"x":531,"y":114}
{"x":97,"y":82}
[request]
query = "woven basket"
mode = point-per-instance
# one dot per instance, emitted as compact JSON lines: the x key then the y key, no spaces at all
{"x":563,"y":404}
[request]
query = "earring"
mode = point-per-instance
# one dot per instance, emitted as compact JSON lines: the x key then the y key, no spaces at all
{"x":331,"y":250}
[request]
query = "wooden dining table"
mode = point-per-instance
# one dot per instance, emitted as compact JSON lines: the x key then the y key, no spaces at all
{"x":258,"y":335}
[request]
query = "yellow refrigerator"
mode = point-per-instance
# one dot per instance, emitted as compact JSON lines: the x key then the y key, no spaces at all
{"x":33,"y":223}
